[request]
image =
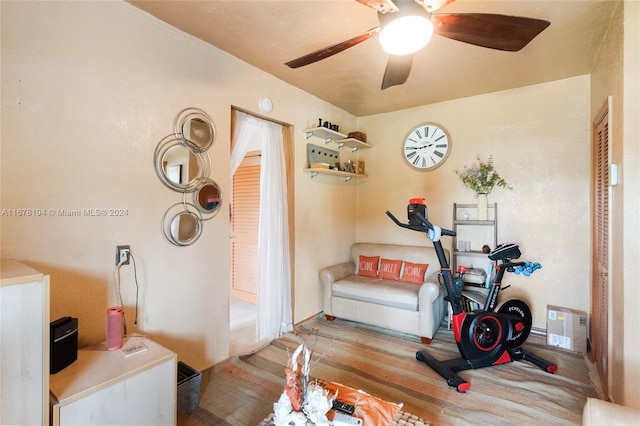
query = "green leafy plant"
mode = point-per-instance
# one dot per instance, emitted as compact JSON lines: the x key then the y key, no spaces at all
{"x":482,"y":177}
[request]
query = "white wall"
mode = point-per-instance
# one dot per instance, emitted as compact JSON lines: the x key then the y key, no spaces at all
{"x":617,"y":74}
{"x":88,"y":90}
{"x":539,"y":137}
{"x":629,"y":357}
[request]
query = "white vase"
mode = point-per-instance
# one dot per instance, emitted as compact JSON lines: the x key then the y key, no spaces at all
{"x":483,"y":207}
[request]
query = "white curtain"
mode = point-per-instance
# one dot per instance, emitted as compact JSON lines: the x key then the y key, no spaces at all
{"x":274,"y":272}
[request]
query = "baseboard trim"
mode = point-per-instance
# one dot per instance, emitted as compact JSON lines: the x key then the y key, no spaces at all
{"x":542,"y":332}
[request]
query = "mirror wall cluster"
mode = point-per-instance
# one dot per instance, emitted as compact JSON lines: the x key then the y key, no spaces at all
{"x":182,"y":163}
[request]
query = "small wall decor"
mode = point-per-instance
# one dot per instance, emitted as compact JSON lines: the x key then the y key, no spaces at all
{"x":349,"y":167}
{"x":181,"y":161}
{"x":328,"y":125}
{"x":265,"y":104}
{"x":320,"y":155}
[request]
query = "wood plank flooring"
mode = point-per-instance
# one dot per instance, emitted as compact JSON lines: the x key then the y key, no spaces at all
{"x":242,"y":332}
{"x":241,"y":390}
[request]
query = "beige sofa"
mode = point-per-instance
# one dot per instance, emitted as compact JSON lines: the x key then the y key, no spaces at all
{"x":416,"y":309}
{"x":602,"y":413}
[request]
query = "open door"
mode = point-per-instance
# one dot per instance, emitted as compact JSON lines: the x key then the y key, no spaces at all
{"x":601,"y":246}
{"x":244,"y":229}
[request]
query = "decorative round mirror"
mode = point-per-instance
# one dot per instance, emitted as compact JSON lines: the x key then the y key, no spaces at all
{"x":194,"y":127}
{"x":182,"y":163}
{"x":180,"y":225}
{"x":207,"y":197}
{"x":178,"y":167}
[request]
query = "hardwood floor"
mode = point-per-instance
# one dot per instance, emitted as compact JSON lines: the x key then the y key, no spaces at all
{"x":241,"y":390}
{"x":242,"y":334}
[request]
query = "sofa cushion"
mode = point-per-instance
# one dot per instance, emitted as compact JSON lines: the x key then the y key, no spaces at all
{"x":375,"y":290}
{"x":413,"y":254}
{"x":599,"y":412}
{"x":414,"y":272}
{"x":368,"y":266}
{"x":390,"y":269}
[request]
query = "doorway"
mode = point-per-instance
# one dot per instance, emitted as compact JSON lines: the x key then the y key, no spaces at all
{"x":261,"y":232}
{"x":244,"y":254}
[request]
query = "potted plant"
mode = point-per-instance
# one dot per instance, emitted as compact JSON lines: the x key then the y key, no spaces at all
{"x":482,"y":178}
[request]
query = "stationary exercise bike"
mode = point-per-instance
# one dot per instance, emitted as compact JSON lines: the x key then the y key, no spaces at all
{"x":485,"y":337}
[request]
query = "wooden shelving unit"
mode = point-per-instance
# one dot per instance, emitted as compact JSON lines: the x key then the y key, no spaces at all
{"x":324,"y":133}
{"x":477,"y":232}
{"x":346,"y":175}
{"x":352,"y":143}
{"x":341,"y":140}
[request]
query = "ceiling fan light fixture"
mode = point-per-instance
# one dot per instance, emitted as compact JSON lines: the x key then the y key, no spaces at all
{"x":406,"y":34}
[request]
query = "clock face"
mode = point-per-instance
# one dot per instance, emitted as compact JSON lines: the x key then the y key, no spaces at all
{"x":426,"y":146}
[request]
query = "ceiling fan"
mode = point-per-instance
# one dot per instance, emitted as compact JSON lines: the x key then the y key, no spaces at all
{"x":406,"y":26}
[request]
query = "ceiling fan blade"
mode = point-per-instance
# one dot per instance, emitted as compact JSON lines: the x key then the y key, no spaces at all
{"x":397,"y":71}
{"x":500,"y":32}
{"x":331,"y":50}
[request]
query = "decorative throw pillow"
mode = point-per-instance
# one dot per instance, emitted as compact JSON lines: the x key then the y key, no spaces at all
{"x":390,"y":269}
{"x":368,"y":266}
{"x":414,"y":272}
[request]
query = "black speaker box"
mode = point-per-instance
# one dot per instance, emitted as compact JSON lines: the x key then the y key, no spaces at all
{"x":64,"y":343}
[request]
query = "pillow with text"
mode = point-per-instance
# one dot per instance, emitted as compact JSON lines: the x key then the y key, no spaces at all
{"x":368,"y":266}
{"x":390,"y":269}
{"x":414,"y":272}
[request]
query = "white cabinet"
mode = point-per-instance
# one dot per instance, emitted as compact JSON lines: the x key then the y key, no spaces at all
{"x":108,"y":388}
{"x":475,"y":233}
{"x":24,"y":345}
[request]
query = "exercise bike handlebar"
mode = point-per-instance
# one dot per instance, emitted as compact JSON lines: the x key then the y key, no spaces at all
{"x":426,"y":226}
{"x":525,"y":268}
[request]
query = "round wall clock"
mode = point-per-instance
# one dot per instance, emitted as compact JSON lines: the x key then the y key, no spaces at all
{"x":426,"y":146}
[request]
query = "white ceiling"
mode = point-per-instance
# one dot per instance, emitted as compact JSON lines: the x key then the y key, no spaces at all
{"x":266,"y":34}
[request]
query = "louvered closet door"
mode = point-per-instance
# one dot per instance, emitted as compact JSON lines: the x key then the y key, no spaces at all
{"x":244,"y":229}
{"x":600,"y":279}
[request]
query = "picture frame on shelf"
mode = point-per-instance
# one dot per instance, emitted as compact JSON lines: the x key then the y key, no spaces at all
{"x":349,"y":167}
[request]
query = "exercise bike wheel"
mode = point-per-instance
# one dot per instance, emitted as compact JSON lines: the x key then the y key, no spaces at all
{"x":482,"y":337}
{"x":487,"y":332}
{"x":521,"y":311}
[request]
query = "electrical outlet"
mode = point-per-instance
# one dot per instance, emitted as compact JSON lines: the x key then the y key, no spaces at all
{"x":122,"y":255}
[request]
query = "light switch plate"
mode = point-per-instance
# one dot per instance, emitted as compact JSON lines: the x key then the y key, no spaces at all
{"x":613,"y":174}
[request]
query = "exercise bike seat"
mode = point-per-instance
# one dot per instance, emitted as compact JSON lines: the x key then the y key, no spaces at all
{"x":505,"y":251}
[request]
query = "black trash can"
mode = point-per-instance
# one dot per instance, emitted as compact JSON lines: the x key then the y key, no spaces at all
{"x":188,"y":389}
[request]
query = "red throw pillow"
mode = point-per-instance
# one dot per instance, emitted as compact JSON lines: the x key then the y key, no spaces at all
{"x":368,"y":266}
{"x":414,"y":272}
{"x":390,"y":269}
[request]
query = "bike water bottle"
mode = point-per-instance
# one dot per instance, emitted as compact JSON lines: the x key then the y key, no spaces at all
{"x":416,"y":205}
